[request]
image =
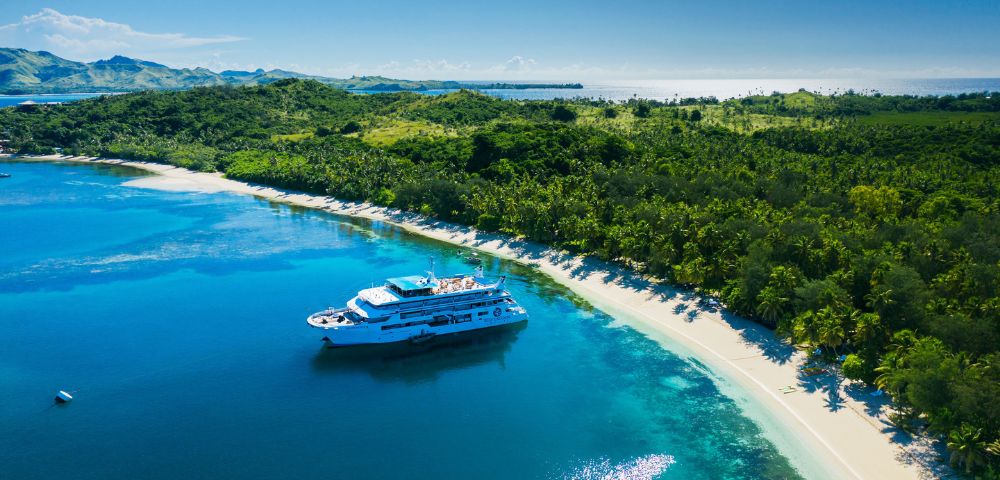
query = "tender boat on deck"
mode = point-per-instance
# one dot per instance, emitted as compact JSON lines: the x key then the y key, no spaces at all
{"x":418,"y":308}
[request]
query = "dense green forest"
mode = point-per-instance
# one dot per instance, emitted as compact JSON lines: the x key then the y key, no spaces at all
{"x":861,"y":225}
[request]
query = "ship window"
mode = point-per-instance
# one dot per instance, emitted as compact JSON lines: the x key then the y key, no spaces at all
{"x":420,"y":292}
{"x":482,"y":313}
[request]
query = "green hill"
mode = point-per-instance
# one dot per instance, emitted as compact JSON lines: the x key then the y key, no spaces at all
{"x":26,"y":72}
{"x":23,"y":71}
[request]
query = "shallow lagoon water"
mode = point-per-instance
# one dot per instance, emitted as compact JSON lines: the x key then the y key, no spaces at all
{"x":178,"y":319}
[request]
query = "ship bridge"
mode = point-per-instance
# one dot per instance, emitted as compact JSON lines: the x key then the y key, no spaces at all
{"x":412,"y":286}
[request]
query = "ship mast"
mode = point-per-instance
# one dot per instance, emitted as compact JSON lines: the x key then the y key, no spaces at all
{"x":430,"y":273}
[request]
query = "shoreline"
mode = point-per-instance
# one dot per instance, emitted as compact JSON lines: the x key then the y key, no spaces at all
{"x":826,"y":428}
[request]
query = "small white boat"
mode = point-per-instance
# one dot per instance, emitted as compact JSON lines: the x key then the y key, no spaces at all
{"x":63,"y":397}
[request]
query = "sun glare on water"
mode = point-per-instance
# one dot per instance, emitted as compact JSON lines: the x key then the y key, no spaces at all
{"x":642,"y":468}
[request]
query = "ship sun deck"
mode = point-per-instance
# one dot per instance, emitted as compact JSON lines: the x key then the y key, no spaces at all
{"x":456,"y":284}
{"x":402,"y":289}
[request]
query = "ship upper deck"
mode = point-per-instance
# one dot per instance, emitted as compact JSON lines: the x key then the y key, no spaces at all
{"x":402,"y":289}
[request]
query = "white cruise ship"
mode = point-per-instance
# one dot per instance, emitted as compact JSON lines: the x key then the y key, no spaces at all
{"x":418,"y":308}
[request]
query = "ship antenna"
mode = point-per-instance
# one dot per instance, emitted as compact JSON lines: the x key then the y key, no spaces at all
{"x":431,"y":272}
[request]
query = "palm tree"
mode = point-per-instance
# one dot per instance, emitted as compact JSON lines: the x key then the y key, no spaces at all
{"x":895,"y":359}
{"x":886,"y":380}
{"x":771,"y":305}
{"x":802,"y":245}
{"x":831,"y":329}
{"x":868,"y":328}
{"x":967,"y":446}
{"x":993,"y":448}
{"x":805,"y":328}
{"x":783,"y":277}
{"x":879,"y":298}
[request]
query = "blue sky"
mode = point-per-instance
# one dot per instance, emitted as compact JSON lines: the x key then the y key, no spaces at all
{"x":581,"y":40}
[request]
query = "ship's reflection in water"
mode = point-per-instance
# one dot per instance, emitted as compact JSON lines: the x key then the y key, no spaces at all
{"x":409,"y":363}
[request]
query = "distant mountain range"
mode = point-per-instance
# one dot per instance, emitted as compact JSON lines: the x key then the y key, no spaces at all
{"x":27,"y":72}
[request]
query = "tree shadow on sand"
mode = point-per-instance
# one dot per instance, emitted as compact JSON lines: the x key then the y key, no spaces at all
{"x":828,"y":383}
{"x":875,"y":405}
{"x":771,"y":347}
{"x":921,"y":450}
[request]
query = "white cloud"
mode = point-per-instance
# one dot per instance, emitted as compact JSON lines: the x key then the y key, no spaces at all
{"x":417,"y":68}
{"x":516,"y":63}
{"x":86,"y":38}
{"x":514,"y":68}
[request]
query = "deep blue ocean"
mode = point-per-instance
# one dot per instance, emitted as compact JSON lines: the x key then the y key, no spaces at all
{"x":673,"y":89}
{"x":177,"y":319}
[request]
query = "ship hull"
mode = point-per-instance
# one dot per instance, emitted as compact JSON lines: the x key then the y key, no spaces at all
{"x":373,"y":333}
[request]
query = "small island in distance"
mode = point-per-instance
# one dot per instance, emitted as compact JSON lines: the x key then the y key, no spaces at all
{"x":24,"y":72}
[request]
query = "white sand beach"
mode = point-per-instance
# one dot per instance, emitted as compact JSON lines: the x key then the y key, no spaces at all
{"x":828,"y":428}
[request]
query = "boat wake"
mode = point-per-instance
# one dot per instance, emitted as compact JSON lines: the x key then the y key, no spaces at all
{"x":646,"y":467}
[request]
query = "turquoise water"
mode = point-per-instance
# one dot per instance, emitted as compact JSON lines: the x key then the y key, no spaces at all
{"x":178,"y":319}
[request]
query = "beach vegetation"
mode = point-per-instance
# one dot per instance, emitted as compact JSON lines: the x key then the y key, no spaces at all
{"x":841,"y":221}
